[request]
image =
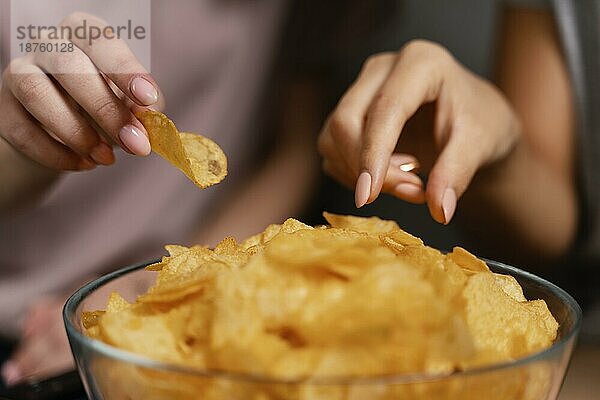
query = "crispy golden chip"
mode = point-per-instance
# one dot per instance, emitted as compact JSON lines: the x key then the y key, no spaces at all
{"x":175,"y":249}
{"x":90,"y":319}
{"x":199,"y":158}
{"x":502,"y":326}
{"x":148,"y":333}
{"x":256,"y":242}
{"x":510,"y":286}
{"x":360,"y":224}
{"x":398,"y":239}
{"x":360,"y":298}
{"x":157,"y":266}
{"x":467,"y":261}
{"x":116,"y":303}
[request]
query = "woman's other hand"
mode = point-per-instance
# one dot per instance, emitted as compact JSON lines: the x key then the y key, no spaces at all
{"x":473,"y":126}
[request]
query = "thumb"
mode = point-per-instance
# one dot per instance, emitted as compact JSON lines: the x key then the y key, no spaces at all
{"x":450,"y":176}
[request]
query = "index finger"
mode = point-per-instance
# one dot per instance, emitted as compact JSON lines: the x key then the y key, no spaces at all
{"x":416,"y":79}
{"x":113,"y":57}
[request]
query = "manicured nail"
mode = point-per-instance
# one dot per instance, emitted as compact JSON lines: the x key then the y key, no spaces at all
{"x":135,"y":140}
{"x":448,"y":204}
{"x":11,"y":373}
{"x":412,"y":166}
{"x":103,"y":154}
{"x":409,"y":190}
{"x":363,"y":189}
{"x":399,"y":160}
{"x":86,"y":164}
{"x":144,"y":91}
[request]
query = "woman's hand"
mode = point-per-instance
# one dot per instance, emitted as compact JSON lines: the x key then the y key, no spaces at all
{"x":473,"y":126}
{"x":66,"y":119}
{"x":43,"y":349}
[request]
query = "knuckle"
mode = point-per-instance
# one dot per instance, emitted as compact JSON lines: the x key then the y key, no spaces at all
{"x":378,"y":60}
{"x":66,"y":62}
{"x":14,"y":68}
{"x":30,"y":87}
{"x":442,"y":56}
{"x":76,"y":18}
{"x":124,"y":63}
{"x":43,"y":36}
{"x":105,"y":109}
{"x":343,"y":125}
{"x":384,"y":104}
{"x":79,"y":139}
{"x":14,"y":63}
{"x":428,"y":53}
{"x":419,"y":45}
{"x":73,"y":18}
{"x":79,"y":18}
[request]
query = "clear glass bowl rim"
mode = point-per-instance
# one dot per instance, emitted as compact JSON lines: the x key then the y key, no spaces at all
{"x":133,"y":358}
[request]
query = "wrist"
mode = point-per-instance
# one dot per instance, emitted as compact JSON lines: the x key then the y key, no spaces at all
{"x":23,"y":180}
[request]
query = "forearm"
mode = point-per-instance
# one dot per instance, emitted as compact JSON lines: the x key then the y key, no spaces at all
{"x":525,"y":208}
{"x":520,"y":210}
{"x":21,"y":179}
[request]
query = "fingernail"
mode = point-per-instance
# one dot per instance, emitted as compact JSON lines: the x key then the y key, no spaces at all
{"x":135,"y":140}
{"x":448,"y":204}
{"x":86,"y":164}
{"x":412,"y":166}
{"x":363,"y":189}
{"x":408,"y":189}
{"x":144,"y":91}
{"x":11,"y":373}
{"x":103,"y":154}
{"x":398,"y":160}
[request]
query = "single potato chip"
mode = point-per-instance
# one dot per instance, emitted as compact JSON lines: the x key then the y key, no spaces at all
{"x":199,"y":158}
{"x":361,"y":224}
{"x":467,"y":261}
{"x":505,"y":327}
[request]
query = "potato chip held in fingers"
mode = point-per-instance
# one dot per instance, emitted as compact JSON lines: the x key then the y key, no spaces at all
{"x":199,"y":158}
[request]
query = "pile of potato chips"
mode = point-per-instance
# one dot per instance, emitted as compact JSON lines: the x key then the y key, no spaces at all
{"x":358,"y":298}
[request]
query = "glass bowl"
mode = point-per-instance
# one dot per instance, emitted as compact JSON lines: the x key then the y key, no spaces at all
{"x":109,"y":373}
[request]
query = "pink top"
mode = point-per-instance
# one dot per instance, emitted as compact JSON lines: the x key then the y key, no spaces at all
{"x":112,"y":216}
